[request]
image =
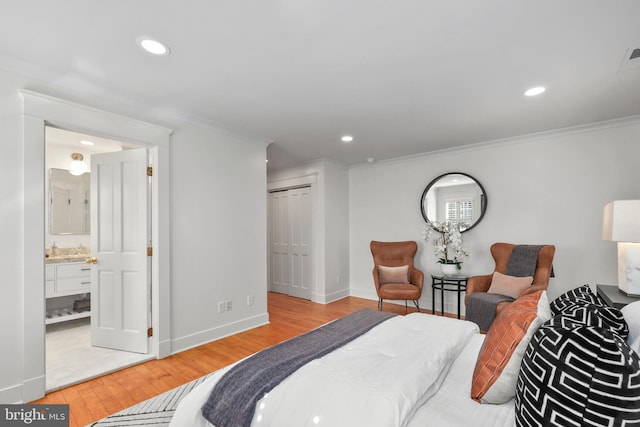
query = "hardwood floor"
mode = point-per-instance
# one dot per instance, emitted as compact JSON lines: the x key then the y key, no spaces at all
{"x":288,"y":316}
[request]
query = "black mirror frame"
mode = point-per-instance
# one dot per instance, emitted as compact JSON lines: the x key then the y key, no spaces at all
{"x":483,"y":199}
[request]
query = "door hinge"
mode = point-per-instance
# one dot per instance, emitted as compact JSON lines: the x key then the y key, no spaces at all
{"x":149,"y":251}
{"x":149,"y":171}
{"x":150,"y":332}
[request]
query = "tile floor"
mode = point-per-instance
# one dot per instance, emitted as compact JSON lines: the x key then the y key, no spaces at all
{"x":71,"y":359}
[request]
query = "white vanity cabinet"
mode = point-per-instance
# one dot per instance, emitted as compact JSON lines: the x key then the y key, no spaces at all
{"x":66,"y":283}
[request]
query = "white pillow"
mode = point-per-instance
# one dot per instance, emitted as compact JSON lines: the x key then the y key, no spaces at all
{"x":510,"y":286}
{"x":631,"y":313}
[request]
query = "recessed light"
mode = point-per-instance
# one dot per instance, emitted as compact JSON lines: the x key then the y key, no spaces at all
{"x":535,"y":91}
{"x":153,"y":46}
{"x":347,"y":138}
{"x":85,"y":142}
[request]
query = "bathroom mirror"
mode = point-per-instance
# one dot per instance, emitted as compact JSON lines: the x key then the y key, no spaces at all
{"x":454,"y":196}
{"x":68,"y":202}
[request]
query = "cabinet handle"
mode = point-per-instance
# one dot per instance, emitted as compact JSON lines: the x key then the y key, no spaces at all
{"x":85,"y":269}
{"x":85,"y":283}
{"x":93,"y":260}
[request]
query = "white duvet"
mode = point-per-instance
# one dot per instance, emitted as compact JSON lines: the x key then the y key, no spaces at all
{"x":379,"y":379}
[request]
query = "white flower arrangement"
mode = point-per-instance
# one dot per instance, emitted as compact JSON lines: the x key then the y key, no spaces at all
{"x":447,"y":241}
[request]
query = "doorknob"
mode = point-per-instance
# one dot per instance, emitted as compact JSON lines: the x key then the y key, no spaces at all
{"x":93,"y":260}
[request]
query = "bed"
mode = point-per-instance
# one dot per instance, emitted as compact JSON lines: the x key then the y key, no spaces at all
{"x":422,"y":370}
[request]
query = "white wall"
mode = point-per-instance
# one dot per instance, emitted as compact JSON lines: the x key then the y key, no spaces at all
{"x":336,"y":255}
{"x":545,"y":189}
{"x":11,"y":260}
{"x":218,"y":234}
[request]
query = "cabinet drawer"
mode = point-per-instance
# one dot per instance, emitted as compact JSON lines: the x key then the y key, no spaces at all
{"x":73,"y":270}
{"x":49,"y":288}
{"x":50,"y":272}
{"x":73,"y":285}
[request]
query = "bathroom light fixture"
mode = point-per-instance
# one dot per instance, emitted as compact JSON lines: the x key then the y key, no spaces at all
{"x":153,"y":46}
{"x":347,"y":138}
{"x":85,"y":142}
{"x":535,"y":91}
{"x":77,"y":166}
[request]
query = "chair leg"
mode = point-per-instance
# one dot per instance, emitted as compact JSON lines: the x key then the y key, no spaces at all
{"x":415,"y":301}
{"x":405,"y":306}
{"x":380,"y":304}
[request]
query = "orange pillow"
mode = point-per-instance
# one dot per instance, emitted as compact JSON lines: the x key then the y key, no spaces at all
{"x":496,"y":372}
{"x":510,"y":286}
{"x":393,"y":274}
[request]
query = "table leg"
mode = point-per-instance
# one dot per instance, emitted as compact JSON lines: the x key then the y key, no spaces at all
{"x":433,"y":297}
{"x":442,"y":298}
{"x":458,"y":300}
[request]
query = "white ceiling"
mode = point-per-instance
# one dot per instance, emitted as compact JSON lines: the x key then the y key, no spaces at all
{"x":402,"y":77}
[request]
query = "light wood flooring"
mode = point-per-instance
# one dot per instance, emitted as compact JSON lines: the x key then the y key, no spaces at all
{"x":289,"y":317}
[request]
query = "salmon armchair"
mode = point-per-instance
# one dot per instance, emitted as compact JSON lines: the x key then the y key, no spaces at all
{"x":394,"y":275}
{"x":501,"y":253}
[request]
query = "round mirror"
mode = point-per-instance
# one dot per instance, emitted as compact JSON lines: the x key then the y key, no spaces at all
{"x":454,"y":197}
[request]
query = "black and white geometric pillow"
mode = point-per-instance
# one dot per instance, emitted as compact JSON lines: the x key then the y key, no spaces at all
{"x":582,"y":313}
{"x":581,"y":294}
{"x":578,"y":376}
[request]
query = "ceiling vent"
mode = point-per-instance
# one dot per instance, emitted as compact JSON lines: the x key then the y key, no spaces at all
{"x":631,"y":60}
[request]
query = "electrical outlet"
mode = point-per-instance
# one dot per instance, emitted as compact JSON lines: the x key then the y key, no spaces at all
{"x":229,"y":306}
{"x":249,"y":300}
{"x":221,"y":307}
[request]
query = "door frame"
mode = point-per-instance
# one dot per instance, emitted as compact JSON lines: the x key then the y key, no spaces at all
{"x":270,"y":221}
{"x":39,"y":110}
{"x":308,"y":180}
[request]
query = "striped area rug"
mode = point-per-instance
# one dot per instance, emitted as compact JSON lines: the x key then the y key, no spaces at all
{"x":154,"y":412}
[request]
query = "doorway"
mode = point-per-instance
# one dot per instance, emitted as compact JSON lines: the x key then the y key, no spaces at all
{"x":73,"y":353}
{"x":39,"y":110}
{"x":290,"y":251}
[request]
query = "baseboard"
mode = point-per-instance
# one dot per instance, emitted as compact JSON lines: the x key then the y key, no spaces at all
{"x":164,"y":349}
{"x":332,"y":297}
{"x":194,"y":340}
{"x":33,"y":388}
{"x":450,"y":301}
{"x":12,"y":394}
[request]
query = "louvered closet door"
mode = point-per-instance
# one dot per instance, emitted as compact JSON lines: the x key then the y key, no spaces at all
{"x":291,"y":242}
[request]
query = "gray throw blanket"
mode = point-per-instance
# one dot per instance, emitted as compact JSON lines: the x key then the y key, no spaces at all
{"x":481,"y":306}
{"x":233,"y":399}
{"x":523,"y":260}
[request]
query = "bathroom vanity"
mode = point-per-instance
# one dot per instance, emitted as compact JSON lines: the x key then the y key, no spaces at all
{"x":67,"y":281}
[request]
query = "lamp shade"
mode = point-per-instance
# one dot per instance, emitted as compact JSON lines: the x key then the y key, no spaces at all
{"x":621,"y":221}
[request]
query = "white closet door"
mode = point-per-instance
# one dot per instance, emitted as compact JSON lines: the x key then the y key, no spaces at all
{"x":300,"y":242}
{"x":280,"y":235}
{"x":291,"y":242}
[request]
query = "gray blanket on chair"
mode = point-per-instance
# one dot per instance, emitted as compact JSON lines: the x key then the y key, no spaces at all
{"x":481,"y":306}
{"x":233,"y":399}
{"x":523,"y":260}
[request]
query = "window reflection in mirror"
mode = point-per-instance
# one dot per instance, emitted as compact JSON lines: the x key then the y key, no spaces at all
{"x":455,"y":197}
{"x":68,"y":202}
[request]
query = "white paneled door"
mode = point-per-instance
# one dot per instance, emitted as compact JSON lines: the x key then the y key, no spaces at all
{"x":290,"y":218}
{"x":119,"y":236}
